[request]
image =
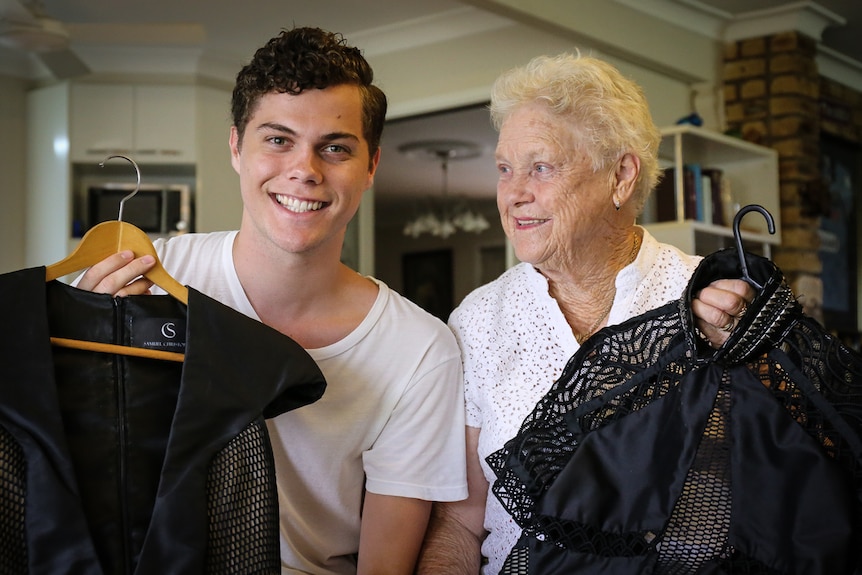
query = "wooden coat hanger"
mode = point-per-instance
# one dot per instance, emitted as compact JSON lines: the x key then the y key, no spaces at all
{"x":103,"y":240}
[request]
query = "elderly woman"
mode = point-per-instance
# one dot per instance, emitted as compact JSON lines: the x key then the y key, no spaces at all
{"x":577,"y":158}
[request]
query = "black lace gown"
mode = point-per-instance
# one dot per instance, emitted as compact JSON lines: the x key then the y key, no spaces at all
{"x":655,"y":454}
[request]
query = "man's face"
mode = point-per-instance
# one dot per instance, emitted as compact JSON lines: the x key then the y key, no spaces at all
{"x":303,"y":165}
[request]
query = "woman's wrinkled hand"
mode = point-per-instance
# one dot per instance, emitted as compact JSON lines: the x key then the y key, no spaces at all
{"x":719,"y":307}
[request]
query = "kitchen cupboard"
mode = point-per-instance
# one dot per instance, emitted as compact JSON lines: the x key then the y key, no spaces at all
{"x":152,"y":123}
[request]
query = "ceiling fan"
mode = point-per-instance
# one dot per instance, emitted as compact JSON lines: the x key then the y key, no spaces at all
{"x":26,"y":26}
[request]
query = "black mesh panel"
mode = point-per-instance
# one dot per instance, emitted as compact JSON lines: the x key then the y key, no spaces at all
{"x":13,"y":489}
{"x":243,"y":507}
{"x":698,"y":527}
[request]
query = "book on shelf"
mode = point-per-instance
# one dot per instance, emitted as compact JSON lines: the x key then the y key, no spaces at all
{"x":713,"y":181}
{"x":701,"y":193}
{"x":706,"y":197}
{"x":665,"y":196}
{"x":691,"y":188}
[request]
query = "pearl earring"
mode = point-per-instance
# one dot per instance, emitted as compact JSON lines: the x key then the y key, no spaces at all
{"x":617,"y":204}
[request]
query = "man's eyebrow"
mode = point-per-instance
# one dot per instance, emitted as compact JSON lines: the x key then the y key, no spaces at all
{"x":275,"y":127}
{"x":331,"y":137}
{"x":340,"y":136}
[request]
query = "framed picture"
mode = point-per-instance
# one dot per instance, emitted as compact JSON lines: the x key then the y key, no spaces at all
{"x":841,"y":171}
{"x":428,"y":281}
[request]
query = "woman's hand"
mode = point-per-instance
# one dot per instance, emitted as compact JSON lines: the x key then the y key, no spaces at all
{"x":718,"y":307}
{"x":119,"y":275}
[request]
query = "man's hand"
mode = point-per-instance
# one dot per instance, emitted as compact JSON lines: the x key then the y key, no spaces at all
{"x":718,"y":308}
{"x":118,"y":275}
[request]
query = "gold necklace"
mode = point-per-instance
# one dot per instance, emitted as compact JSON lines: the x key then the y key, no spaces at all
{"x":581,"y":337}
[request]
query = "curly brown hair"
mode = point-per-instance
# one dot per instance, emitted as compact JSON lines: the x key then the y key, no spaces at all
{"x":308,"y":58}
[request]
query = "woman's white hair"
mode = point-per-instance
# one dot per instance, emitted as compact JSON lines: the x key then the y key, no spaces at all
{"x":609,"y":110}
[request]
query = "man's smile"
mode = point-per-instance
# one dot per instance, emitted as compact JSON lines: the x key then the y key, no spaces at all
{"x":298,"y":206}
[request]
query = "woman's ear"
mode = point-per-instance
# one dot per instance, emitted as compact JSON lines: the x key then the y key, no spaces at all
{"x":625,"y":178}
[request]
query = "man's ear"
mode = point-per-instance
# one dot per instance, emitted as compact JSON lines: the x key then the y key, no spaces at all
{"x":374,"y":161}
{"x":625,"y":178}
{"x":234,"y":144}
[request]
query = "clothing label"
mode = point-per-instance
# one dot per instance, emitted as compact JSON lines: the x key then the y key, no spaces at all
{"x":167,"y":334}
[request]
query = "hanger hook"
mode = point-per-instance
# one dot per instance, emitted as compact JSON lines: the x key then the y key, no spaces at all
{"x":137,"y":185}
{"x":770,"y":222}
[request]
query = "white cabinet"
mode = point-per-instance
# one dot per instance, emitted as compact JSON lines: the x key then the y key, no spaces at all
{"x":165,"y":123}
{"x":749,"y":175}
{"x":150,"y":123}
{"x":101,"y":121}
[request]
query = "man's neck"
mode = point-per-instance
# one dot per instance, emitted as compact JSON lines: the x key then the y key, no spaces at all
{"x":313,"y":298}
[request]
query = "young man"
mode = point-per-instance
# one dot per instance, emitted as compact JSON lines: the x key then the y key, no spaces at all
{"x":358,"y":469}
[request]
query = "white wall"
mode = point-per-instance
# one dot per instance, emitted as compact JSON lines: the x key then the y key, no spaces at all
{"x":667,"y":61}
{"x":219,"y":205}
{"x":12,"y":170}
{"x":49,"y":198}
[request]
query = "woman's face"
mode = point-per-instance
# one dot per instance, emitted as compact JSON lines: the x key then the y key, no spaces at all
{"x":552,"y":204}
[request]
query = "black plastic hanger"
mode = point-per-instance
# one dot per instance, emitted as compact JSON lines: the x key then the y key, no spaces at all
{"x":770,"y":222}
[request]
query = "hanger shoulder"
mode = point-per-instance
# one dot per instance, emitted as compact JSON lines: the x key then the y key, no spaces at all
{"x":133,"y":238}
{"x":97,"y":244}
{"x":163,"y":279}
{"x":109,"y":238}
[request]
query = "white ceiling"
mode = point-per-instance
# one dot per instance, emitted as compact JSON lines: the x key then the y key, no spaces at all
{"x":233,"y":29}
{"x":221,"y":35}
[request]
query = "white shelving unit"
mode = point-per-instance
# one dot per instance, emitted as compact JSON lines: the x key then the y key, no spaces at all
{"x":750,"y":170}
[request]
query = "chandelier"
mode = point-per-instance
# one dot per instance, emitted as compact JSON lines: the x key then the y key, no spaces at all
{"x":443,"y":215}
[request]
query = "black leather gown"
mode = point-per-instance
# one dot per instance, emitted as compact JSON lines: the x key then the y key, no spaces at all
{"x":116,"y":464}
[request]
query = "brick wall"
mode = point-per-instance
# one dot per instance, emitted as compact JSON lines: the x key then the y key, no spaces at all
{"x":772,"y":97}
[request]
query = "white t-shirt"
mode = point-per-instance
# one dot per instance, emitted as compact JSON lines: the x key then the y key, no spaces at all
{"x":515,"y":343}
{"x":390,"y":421}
